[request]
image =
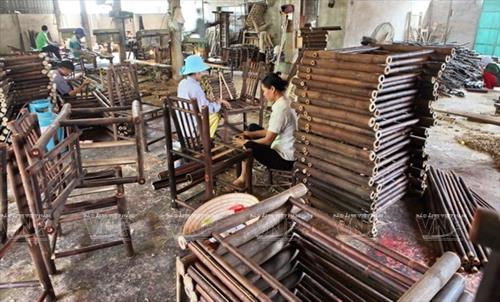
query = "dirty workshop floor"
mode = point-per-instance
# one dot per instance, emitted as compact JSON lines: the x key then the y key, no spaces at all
{"x":108,"y":275}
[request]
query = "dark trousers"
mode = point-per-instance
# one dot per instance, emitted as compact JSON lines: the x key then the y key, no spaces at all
{"x":267,"y":156}
{"x":52,"y":49}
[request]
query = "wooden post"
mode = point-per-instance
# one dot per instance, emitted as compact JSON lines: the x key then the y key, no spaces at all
{"x":19,"y":29}
{"x":120,"y":25}
{"x":57,"y":13}
{"x":176,"y":39}
{"x":85,"y":23}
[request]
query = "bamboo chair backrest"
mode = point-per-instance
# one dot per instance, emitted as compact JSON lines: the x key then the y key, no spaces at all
{"x":189,"y":123}
{"x":48,"y":176}
{"x":26,"y":125}
{"x":122,"y":84}
{"x":251,"y":80}
{"x":54,"y":175}
{"x":219,"y":85}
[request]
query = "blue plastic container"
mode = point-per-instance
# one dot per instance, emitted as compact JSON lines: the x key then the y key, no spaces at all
{"x":43,"y":109}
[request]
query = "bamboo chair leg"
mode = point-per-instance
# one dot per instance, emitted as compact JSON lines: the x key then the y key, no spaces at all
{"x":43,"y":240}
{"x":40,"y":267}
{"x":121,"y":203}
{"x":248,"y":178}
{"x":238,"y":168}
{"x":125,"y":225}
{"x":3,"y":221}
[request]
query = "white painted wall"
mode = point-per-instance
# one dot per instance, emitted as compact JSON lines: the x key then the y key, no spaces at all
{"x":9,"y":34}
{"x":334,"y":16}
{"x":364,"y":15}
{"x":463,"y":21}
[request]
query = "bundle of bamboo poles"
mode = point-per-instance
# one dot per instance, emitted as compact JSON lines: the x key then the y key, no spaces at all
{"x":23,"y":78}
{"x":363,"y":115}
{"x":463,"y":70}
{"x":315,"y":37}
{"x":453,"y":204}
{"x":284,"y":257}
{"x":5,"y":105}
{"x":29,"y":73}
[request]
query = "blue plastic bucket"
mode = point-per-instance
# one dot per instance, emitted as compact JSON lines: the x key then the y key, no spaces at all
{"x":43,"y":110}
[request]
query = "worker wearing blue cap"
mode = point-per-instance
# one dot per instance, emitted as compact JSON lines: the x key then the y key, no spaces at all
{"x":189,"y":88}
{"x":75,"y":43}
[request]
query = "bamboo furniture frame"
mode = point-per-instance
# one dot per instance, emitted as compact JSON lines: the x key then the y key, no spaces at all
{"x":205,"y":158}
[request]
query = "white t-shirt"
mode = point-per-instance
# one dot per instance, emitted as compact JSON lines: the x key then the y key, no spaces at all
{"x":283,"y":121}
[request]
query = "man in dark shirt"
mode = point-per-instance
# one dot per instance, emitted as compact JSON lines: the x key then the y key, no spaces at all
{"x":63,"y":86}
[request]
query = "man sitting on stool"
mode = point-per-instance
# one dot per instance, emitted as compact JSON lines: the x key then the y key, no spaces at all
{"x":44,"y":44}
{"x":63,"y":86}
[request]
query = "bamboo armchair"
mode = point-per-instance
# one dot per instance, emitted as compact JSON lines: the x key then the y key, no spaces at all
{"x":203,"y":159}
{"x":50,"y":178}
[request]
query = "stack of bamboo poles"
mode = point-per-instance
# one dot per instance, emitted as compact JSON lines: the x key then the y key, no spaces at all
{"x":5,"y":105}
{"x":283,"y":257}
{"x":361,"y":116}
{"x":23,"y":78}
{"x":452,"y":204}
{"x":30,"y":76}
{"x":462,"y":71}
{"x":219,"y":86}
{"x":315,"y":38}
{"x":428,"y":86}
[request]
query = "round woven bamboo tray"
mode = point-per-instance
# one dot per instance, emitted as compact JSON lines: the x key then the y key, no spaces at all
{"x":218,"y":208}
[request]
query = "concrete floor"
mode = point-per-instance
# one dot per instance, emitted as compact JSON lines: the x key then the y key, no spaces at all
{"x":107,"y":275}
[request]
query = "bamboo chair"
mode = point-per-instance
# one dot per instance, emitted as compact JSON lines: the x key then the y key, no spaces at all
{"x":49,"y":179}
{"x":247,"y":102}
{"x":204,"y":159}
{"x":24,"y":231}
